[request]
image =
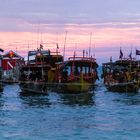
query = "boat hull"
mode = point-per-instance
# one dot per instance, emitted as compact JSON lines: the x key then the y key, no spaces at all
{"x":75,"y":87}
{"x":123,"y":87}
{"x":33,"y":87}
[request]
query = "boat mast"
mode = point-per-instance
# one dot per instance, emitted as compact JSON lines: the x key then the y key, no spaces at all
{"x":90,"y":43}
{"x":38,"y":29}
{"x":57,"y":46}
{"x":41,"y":57}
{"x":64,"y":46}
{"x":28,"y":53}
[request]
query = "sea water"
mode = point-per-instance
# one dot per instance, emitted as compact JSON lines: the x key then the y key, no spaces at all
{"x":98,"y":115}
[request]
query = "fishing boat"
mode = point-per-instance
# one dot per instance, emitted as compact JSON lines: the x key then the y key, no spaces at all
{"x":123,"y":87}
{"x":40,"y":71}
{"x":1,"y":85}
{"x":77,"y":74}
{"x":1,"y":71}
{"x":11,"y":63}
{"x":121,"y":75}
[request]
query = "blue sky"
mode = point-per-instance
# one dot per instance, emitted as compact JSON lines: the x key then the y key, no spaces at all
{"x":113,"y":22}
{"x":101,"y":13}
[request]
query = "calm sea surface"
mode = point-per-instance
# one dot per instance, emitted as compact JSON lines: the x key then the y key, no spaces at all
{"x":99,"y":115}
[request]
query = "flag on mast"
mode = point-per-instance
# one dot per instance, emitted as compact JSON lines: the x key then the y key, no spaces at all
{"x":130,"y":55}
{"x":57,"y":46}
{"x":41,"y":46}
{"x":1,"y":50}
{"x":121,"y":54}
{"x":137,"y":52}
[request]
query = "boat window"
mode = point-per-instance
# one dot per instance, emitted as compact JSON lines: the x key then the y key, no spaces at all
{"x":68,"y":69}
{"x":76,"y":70}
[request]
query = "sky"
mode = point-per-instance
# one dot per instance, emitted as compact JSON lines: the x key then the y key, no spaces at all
{"x":103,"y":25}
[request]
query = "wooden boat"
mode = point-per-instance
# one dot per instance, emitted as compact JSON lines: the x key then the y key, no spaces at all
{"x":123,"y":87}
{"x":33,"y":87}
{"x":39,"y":71}
{"x":1,"y":73}
{"x":78,"y":74}
{"x":121,"y":75}
{"x":11,"y":63}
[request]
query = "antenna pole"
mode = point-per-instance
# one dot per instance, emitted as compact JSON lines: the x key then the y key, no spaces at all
{"x":135,"y":53}
{"x":28,"y":52}
{"x":94,"y":51}
{"x":37,"y":35}
{"x":64,"y":46}
{"x":90,"y":43}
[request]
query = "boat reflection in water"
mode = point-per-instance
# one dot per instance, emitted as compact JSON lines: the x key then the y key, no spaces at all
{"x":82,"y":99}
{"x":34,"y":88}
{"x":1,"y":87}
{"x":34,"y":100}
{"x":49,"y":99}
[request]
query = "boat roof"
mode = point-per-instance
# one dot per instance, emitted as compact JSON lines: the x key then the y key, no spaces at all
{"x":44,"y":52}
{"x":11,"y":54}
{"x":35,"y":52}
{"x":122,"y":64}
{"x":81,"y":58}
{"x":81,"y":61}
{"x":34,"y":67}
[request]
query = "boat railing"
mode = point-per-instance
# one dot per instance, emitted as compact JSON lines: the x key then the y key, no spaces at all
{"x":55,"y":52}
{"x":82,"y":58}
{"x":43,"y":52}
{"x":72,"y":76}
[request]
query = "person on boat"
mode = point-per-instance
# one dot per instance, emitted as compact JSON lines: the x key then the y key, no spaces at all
{"x":128,"y":76}
{"x":23,"y":76}
{"x":46,"y":77}
{"x":32,"y":76}
{"x":108,"y":78}
{"x":133,"y":76}
{"x":38,"y":75}
{"x":138,"y":75}
{"x":96,"y":75}
{"x":51,"y":75}
{"x":76,"y":71}
{"x":64,"y":75}
{"x":123,"y":77}
{"x":104,"y":74}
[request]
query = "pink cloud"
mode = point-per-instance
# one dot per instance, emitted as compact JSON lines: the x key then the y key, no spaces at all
{"x":78,"y":37}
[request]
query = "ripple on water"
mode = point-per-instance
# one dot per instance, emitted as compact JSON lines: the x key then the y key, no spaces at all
{"x":97,"y":115}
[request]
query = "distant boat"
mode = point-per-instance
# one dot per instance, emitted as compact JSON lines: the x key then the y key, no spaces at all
{"x":78,"y":74}
{"x":1,"y":85}
{"x":33,"y":87}
{"x":121,"y":75}
{"x":123,"y":87}
{"x":40,"y":71}
{"x":11,"y":63}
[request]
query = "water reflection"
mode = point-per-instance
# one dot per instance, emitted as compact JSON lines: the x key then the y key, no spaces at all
{"x":1,"y":100}
{"x":35,"y":100}
{"x":129,"y":99}
{"x":78,"y":99}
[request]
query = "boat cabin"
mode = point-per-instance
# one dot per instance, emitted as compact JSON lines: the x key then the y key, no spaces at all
{"x":77,"y":66}
{"x":11,"y":63}
{"x":120,"y":71}
{"x":44,"y":57}
{"x":41,"y":65}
